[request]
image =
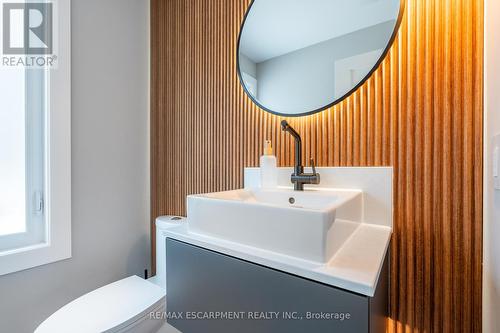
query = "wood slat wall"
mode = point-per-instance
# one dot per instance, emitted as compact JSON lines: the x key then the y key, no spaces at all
{"x":421,"y":112}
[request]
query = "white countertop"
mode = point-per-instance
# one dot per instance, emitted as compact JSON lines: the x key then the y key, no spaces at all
{"x":355,"y":267}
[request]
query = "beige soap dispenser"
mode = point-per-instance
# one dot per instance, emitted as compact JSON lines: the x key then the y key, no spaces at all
{"x":268,"y":167}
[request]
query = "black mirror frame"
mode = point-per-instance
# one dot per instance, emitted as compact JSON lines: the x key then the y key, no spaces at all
{"x":337,"y":101}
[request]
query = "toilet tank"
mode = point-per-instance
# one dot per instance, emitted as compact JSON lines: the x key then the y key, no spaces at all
{"x":163,"y":223}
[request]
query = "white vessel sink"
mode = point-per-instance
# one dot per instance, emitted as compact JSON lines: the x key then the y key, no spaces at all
{"x":310,"y":225}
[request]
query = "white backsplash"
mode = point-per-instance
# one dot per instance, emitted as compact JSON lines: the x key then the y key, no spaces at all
{"x":376,"y":184}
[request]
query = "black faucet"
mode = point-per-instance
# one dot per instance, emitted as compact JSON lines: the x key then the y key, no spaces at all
{"x":299,"y":178}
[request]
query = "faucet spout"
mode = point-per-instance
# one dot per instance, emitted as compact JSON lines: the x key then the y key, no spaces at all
{"x":298,"y":146}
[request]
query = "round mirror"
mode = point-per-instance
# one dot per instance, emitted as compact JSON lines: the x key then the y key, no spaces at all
{"x":299,"y":57}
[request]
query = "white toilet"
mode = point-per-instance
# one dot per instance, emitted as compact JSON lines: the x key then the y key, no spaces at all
{"x":123,"y":306}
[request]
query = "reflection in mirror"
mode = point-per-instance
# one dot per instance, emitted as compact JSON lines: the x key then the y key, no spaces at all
{"x":297,"y":57}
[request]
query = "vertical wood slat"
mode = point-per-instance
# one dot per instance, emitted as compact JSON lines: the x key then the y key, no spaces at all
{"x":421,"y":112}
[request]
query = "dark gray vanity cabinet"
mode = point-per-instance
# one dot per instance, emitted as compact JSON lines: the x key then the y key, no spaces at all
{"x":209,"y":292}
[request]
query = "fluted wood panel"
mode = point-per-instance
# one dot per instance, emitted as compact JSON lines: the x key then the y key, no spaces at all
{"x":421,"y":112}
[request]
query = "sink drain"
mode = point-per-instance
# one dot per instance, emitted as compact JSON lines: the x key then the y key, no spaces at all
{"x":291,"y":200}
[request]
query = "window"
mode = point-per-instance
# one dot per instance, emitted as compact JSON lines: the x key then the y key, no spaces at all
{"x":22,"y":110}
{"x":35,"y":166}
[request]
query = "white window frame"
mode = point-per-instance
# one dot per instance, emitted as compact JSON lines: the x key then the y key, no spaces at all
{"x":57,"y":245}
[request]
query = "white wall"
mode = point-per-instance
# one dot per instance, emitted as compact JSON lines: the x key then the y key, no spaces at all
{"x":110,"y":165}
{"x":247,"y":65}
{"x":491,"y":271}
